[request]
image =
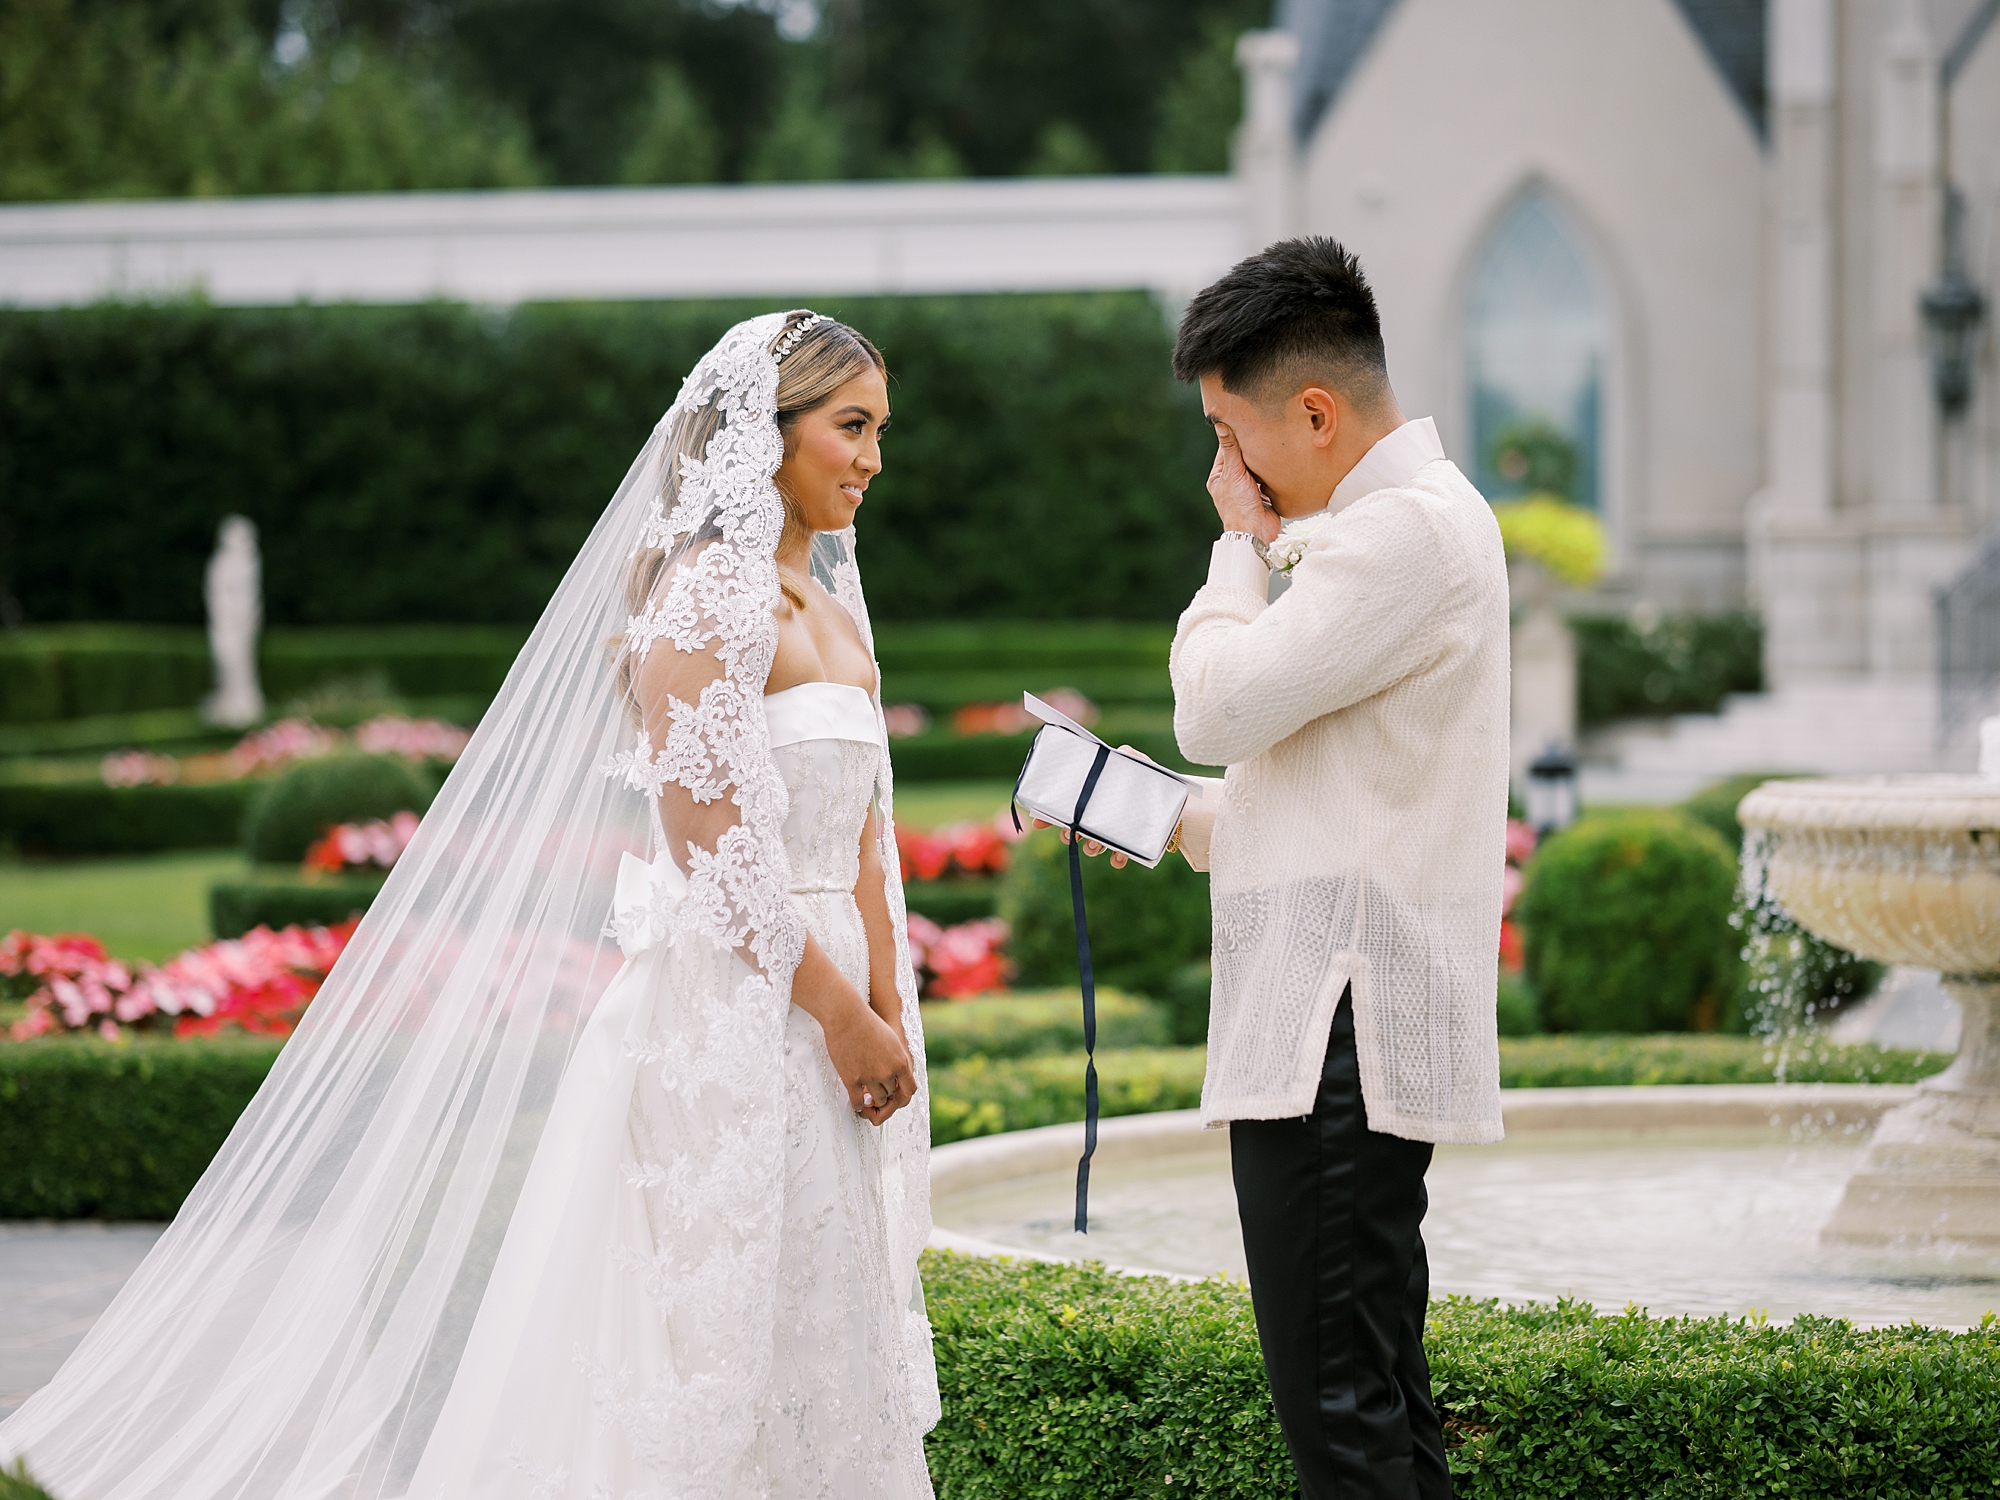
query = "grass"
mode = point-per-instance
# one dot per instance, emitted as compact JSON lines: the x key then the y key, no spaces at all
{"x":932,"y":804}
{"x":146,"y":906}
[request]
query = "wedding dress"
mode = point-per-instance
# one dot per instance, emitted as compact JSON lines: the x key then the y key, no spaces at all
{"x":554,"y":1192}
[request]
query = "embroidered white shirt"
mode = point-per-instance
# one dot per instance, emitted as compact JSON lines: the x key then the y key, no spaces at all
{"x":1359,"y":834}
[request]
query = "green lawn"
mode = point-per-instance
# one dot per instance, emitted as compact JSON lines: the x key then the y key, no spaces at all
{"x":149,"y":906}
{"x":932,"y":804}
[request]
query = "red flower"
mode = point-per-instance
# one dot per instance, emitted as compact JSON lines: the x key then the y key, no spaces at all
{"x":1512,"y":957}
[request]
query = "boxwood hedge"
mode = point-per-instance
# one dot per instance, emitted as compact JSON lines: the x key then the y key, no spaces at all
{"x":91,"y":1129}
{"x":1072,"y":1383}
{"x":87,"y":817}
{"x":1030,"y":1024}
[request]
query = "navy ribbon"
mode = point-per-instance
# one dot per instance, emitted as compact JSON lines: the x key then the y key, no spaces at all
{"x":1089,"y":986}
{"x":1085,"y":973}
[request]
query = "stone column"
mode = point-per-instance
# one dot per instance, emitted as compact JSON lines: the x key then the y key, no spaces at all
{"x":1544,"y":668}
{"x":1910,"y":542}
{"x":1266,"y":154}
{"x":1803,"y":568}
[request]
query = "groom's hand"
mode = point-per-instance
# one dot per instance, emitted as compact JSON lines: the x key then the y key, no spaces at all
{"x":1239,"y":499}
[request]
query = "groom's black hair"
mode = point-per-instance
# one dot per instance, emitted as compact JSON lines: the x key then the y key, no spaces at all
{"x":1301,"y":309}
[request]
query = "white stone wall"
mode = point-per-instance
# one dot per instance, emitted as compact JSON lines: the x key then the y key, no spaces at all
{"x":1616,"y":112}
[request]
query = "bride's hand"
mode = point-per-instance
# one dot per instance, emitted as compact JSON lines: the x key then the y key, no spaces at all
{"x":873,"y":1062}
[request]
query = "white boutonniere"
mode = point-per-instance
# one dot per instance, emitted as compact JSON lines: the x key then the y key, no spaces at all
{"x":1294,"y":539}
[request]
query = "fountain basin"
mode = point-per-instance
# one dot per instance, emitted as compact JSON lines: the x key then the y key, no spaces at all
{"x":1906,"y":869}
{"x":1680,"y":1199}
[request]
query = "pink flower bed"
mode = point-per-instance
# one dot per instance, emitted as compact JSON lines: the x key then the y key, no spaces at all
{"x":276,"y":746}
{"x":957,"y":849}
{"x":956,"y":963}
{"x":356,"y":846}
{"x":260,"y":982}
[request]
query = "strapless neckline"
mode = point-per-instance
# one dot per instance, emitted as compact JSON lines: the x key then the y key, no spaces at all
{"x":822,"y":711}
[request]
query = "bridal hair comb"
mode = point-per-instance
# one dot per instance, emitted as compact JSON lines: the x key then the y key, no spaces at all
{"x":791,"y":340}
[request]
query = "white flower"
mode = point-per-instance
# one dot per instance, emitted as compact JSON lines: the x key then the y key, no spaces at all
{"x":1295,"y":538}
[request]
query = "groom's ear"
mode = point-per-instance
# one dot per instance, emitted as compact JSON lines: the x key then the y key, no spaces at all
{"x":1319,"y":409}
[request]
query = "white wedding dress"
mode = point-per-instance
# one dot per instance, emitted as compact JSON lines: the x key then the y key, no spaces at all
{"x":521,"y":1214}
{"x":579,"y":1348}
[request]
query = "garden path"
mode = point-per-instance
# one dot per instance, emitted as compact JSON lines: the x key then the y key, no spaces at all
{"x":55,"y":1280}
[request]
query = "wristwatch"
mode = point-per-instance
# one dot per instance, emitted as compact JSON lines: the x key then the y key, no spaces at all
{"x":1263,"y":547}
{"x":1174,"y":843}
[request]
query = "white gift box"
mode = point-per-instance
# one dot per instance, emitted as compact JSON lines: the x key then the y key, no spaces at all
{"x":1134,"y":806}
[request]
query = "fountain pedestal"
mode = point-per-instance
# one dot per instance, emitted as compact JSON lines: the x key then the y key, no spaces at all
{"x":1906,"y":870}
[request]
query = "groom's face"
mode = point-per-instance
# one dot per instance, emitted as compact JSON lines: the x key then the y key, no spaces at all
{"x":1283,"y":440}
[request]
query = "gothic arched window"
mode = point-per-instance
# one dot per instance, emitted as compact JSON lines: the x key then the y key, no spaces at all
{"x":1535,"y":344}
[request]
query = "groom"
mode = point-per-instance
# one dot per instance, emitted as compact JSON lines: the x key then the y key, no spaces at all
{"x":1355,"y":847}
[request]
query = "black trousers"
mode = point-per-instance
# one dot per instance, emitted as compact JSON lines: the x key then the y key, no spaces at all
{"x":1331,"y":1217}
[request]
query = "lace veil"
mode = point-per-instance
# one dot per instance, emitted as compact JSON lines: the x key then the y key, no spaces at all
{"x":296,"y":1329}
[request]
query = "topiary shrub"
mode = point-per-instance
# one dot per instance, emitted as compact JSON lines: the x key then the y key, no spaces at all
{"x":1144,"y":924}
{"x":315,"y":794}
{"x":1627,"y":919}
{"x":1518,"y":1008}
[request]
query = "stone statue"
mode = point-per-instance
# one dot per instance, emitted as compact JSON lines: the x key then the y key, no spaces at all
{"x":234,"y":594}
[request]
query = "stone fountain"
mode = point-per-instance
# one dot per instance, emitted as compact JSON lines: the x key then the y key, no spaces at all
{"x":1906,"y":870}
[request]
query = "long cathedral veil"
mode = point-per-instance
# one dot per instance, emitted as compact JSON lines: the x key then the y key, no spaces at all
{"x":295,"y":1332}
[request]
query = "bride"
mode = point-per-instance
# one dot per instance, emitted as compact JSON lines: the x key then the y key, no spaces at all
{"x":519,"y":1213}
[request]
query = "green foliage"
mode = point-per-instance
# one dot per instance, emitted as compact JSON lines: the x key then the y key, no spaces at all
{"x":1071,"y":1381}
{"x":1573,"y":1061}
{"x":94,"y":103}
{"x":985,"y":1096}
{"x":954,"y":900}
{"x":1062,"y":150}
{"x":1202,"y":105}
{"x":1532,"y":456}
{"x":476,"y":449}
{"x":281,"y":898}
{"x":1144,"y":924}
{"x":87,"y":817}
{"x":675,"y":140}
{"x":294,"y":809}
{"x":92,"y":1129}
{"x":17,"y":1483}
{"x":1028,"y":1024}
{"x":73,"y":671}
{"x":1186,"y":998}
{"x":1518,"y":1007}
{"x":1675,"y":664}
{"x":1627,"y":925}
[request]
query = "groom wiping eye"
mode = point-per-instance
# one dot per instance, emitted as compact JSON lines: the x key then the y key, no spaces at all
{"x":1347,"y":660}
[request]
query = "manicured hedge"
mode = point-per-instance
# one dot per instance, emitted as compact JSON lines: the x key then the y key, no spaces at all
{"x":1146,"y":926}
{"x":951,"y":901}
{"x":1027,"y":1025}
{"x":1679,"y":664}
{"x":1072,"y":1383}
{"x":74,"y":671}
{"x":154,"y":1111}
{"x":294,"y":809}
{"x":87,"y":817}
{"x":93,"y":1130}
{"x":1571,"y":1061}
{"x":282,"y":898}
{"x":442,"y":462}
{"x":981,"y":1096}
